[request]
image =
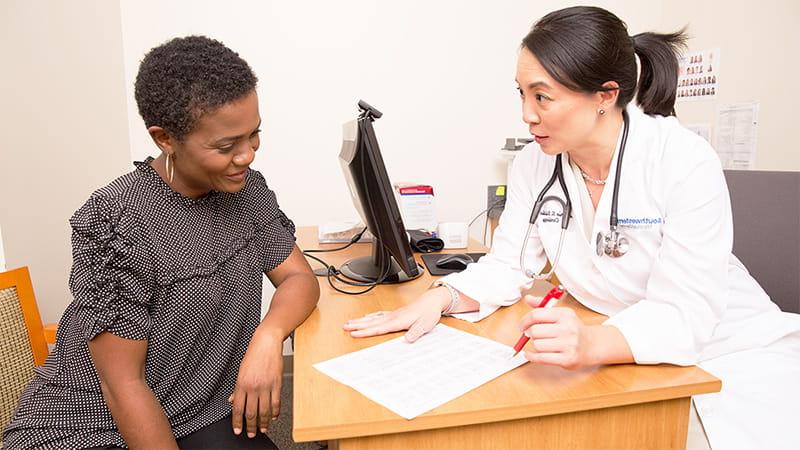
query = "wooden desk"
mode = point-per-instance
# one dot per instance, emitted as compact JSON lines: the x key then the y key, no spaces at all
{"x":613,"y":407}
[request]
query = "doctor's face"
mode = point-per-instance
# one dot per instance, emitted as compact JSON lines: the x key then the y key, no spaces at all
{"x":561,"y":120}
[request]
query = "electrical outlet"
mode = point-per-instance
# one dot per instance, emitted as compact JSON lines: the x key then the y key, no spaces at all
{"x":496,"y":200}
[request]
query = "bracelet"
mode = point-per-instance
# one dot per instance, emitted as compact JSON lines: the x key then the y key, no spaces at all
{"x":453,"y":298}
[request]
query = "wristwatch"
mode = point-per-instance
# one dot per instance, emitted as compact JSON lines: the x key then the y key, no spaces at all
{"x":453,"y":298}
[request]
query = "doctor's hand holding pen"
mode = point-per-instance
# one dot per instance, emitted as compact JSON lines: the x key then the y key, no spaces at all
{"x":557,"y":335}
{"x":560,"y":338}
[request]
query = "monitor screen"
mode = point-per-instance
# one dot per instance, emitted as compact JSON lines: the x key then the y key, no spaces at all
{"x":392,"y":260}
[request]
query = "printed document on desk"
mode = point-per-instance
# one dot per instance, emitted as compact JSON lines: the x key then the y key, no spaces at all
{"x":412,"y":379}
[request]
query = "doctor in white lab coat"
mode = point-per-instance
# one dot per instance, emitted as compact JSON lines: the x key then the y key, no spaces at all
{"x":678,"y":295}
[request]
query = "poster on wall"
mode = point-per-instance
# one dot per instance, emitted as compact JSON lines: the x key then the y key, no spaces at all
{"x":698,"y":75}
{"x":736,"y":135}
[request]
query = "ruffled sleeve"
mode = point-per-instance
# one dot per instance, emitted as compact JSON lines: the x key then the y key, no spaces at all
{"x":277,"y":229}
{"x":112,"y":276}
{"x":281,"y":233}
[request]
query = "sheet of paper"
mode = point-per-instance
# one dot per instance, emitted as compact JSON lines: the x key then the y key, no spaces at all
{"x":412,"y":379}
{"x":418,"y":211}
{"x":736,"y":135}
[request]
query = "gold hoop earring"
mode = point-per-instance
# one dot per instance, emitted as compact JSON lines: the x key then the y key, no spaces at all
{"x":601,"y":111}
{"x":170,"y":168}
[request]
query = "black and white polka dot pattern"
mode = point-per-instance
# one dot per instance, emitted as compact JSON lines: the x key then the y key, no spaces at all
{"x":184,"y":274}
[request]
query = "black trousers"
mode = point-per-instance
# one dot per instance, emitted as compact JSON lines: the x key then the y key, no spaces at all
{"x":219,"y":436}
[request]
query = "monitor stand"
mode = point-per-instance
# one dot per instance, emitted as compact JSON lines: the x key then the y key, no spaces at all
{"x":369,"y":269}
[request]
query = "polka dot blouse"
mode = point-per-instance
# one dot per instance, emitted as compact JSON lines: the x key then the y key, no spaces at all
{"x":184,"y":274}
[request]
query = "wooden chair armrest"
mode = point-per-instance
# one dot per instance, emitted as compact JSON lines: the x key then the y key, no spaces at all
{"x":50,"y":333}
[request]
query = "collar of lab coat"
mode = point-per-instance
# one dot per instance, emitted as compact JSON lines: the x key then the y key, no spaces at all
{"x":633,"y":153}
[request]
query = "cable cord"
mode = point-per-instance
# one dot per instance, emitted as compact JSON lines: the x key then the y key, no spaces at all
{"x":487,"y":211}
{"x":333,"y":273}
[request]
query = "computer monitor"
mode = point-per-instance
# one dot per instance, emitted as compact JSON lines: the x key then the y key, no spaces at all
{"x":392,"y":260}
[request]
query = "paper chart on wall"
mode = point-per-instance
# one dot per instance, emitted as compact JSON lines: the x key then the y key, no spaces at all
{"x":736,"y":136}
{"x":412,"y":379}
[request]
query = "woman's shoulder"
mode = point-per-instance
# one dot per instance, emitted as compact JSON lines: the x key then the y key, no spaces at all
{"x":121,"y":196}
{"x":255,"y":180}
{"x":256,"y":192}
{"x":677,"y":158}
{"x":677,"y":144}
{"x":668,"y":152}
{"x":256,"y":201}
{"x":123,"y":185}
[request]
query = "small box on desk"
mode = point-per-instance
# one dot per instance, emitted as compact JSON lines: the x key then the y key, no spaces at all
{"x":417,"y":206}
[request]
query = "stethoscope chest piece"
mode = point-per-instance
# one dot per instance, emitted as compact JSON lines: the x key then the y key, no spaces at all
{"x":612,"y":244}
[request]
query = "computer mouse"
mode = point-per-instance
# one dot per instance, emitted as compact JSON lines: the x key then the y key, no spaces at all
{"x":456,"y":261}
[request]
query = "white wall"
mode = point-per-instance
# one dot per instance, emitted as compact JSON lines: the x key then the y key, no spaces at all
{"x":63,"y":130}
{"x":442,"y":72}
{"x":2,"y":253}
{"x":759,"y":46}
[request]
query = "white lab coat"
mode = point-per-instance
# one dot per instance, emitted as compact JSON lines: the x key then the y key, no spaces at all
{"x":679,"y":296}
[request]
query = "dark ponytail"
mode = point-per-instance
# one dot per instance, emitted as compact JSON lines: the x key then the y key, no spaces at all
{"x":583,"y":47}
{"x":658,"y":80}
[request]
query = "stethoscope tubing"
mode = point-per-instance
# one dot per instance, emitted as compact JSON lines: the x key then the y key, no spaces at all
{"x":558,"y":174}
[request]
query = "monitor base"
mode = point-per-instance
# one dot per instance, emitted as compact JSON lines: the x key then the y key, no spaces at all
{"x":365,"y":271}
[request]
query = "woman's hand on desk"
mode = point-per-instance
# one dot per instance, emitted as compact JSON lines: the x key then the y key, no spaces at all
{"x":418,"y":318}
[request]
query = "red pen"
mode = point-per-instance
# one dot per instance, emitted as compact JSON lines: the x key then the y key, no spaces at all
{"x":547,"y":301}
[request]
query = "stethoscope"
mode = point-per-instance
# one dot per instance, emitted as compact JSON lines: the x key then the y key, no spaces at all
{"x":613,"y":243}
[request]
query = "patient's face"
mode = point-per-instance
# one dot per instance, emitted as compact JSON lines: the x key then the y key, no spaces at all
{"x":560,"y":119}
{"x":217,"y":153}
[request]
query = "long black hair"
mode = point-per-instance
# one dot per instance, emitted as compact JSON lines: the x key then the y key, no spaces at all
{"x":583,"y":47}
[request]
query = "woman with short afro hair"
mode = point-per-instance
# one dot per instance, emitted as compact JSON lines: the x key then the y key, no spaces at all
{"x":162,"y":345}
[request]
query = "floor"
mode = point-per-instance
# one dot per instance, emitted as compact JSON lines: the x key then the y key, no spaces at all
{"x":281,"y":430}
